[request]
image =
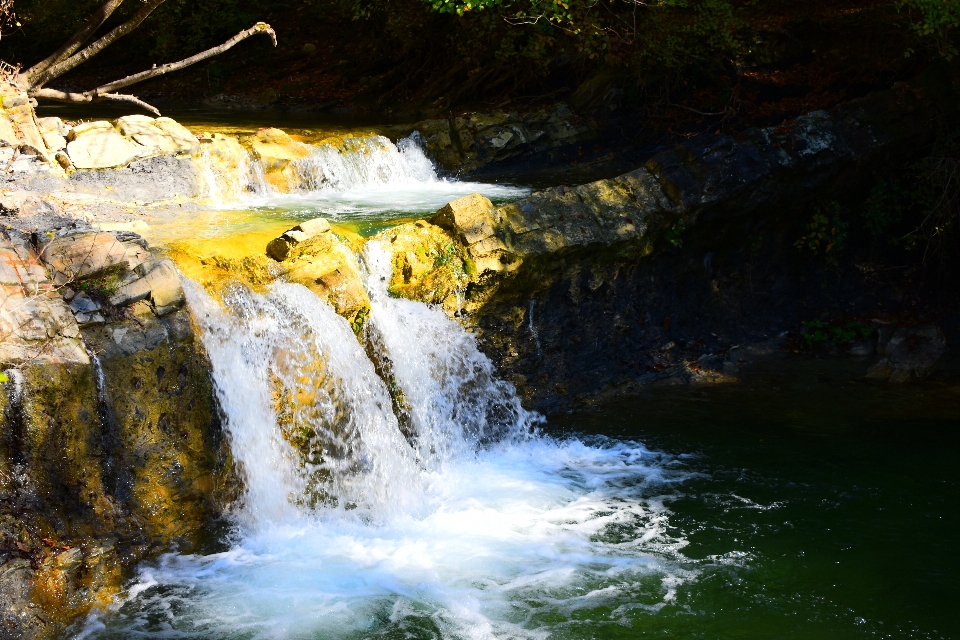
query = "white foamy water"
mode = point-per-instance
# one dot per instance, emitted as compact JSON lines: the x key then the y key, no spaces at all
{"x":370,"y":176}
{"x":517,"y":542}
{"x":290,"y":345}
{"x":473,"y":526}
{"x":456,"y":402}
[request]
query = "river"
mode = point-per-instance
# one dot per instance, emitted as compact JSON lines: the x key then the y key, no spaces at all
{"x":801,"y":502}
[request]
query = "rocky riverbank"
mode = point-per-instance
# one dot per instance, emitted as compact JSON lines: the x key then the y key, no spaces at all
{"x":684,"y":270}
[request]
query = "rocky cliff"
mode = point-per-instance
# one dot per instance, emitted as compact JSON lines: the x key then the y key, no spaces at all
{"x":111,"y":448}
{"x":659,"y":274}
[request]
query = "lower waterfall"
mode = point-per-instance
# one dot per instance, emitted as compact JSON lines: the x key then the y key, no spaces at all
{"x":460,"y":520}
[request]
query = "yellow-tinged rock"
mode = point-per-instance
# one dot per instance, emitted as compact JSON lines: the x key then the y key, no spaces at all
{"x":276,"y":151}
{"x":102,"y":147}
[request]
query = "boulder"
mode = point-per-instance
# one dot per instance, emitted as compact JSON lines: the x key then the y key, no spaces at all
{"x":276,"y":151}
{"x":166,"y":292}
{"x":97,"y":145}
{"x":280,"y":248}
{"x":161,"y":136}
{"x":83,"y":255}
{"x":907,"y":353}
{"x":472,"y":220}
{"x":54,"y":133}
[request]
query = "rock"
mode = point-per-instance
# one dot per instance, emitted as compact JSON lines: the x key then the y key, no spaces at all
{"x":97,"y":145}
{"x":473,"y":141}
{"x":131,"y":290}
{"x":81,"y":303}
{"x":276,"y":151}
{"x":84,"y":319}
{"x":35,"y":323}
{"x":313,"y":256}
{"x":472,"y":219}
{"x":149,"y":180}
{"x":83,"y":255}
{"x":53,"y":125}
{"x":907,"y":353}
{"x":280,"y":248}
{"x":166,"y":292}
{"x":428,"y":265}
{"x":54,"y":141}
{"x":160,"y":136}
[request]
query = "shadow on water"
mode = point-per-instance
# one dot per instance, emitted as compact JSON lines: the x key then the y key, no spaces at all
{"x":839,"y":496}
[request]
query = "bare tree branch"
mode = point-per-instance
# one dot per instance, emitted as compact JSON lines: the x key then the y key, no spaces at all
{"x":91,"y":50}
{"x":122,"y":97}
{"x":88,"y":97}
{"x":77,"y":39}
{"x":260,"y":27}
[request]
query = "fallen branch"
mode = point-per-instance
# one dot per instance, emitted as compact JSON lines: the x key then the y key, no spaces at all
{"x":88,"y":52}
{"x":75,"y":41}
{"x":260,"y":27}
{"x":89,"y":97}
{"x":105,"y":92}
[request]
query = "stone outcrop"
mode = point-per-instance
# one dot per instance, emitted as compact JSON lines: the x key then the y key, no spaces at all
{"x":580,"y":288}
{"x":311,"y":254}
{"x":471,"y":141}
{"x":277,"y":153}
{"x":110,"y":446}
{"x":907,"y":353}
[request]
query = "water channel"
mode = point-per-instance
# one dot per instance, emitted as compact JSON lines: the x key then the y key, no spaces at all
{"x":801,"y":502}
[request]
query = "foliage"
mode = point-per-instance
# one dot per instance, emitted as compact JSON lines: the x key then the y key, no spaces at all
{"x":826,"y":233}
{"x":818,"y":334}
{"x":935,"y":20}
{"x":673,"y":233}
{"x":883,"y":208}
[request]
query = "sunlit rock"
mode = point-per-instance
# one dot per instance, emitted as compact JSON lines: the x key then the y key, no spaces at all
{"x":98,"y":145}
{"x":276,"y":151}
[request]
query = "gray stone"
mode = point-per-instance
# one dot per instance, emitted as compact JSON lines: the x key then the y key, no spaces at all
{"x":82,"y":303}
{"x":907,"y":353}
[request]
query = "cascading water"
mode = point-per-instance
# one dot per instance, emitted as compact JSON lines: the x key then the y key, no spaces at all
{"x":363,"y":176}
{"x":455,"y":401}
{"x":309,"y":419}
{"x":483,"y":529}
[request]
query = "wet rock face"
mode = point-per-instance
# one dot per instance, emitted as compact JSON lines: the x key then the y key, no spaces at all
{"x":907,"y":353}
{"x":581,"y":288}
{"x":108,"y":457}
{"x":312,"y":255}
{"x":473,"y":141}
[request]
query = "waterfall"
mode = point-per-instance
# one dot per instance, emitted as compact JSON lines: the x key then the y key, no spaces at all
{"x":364,"y":163}
{"x":310,"y":423}
{"x":455,"y":401}
{"x":352,"y":175}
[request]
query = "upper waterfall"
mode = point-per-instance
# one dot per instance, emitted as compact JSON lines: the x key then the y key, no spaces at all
{"x":353,"y":175}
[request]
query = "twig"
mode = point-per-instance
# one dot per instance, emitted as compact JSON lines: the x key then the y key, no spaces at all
{"x":702,"y":113}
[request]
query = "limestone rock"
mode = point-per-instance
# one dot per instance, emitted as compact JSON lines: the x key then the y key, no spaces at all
{"x":160,"y":136}
{"x":280,"y":248}
{"x":166,"y":292}
{"x":428,"y":265}
{"x":276,"y":151}
{"x":97,"y":145}
{"x":907,"y":353}
{"x":472,"y":219}
{"x":83,"y":255}
{"x":35,"y":324}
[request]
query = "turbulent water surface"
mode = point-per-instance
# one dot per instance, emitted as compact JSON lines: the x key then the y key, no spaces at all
{"x":398,"y":489}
